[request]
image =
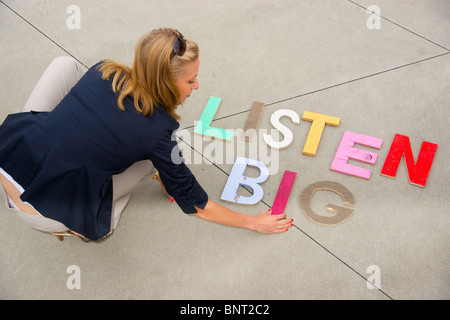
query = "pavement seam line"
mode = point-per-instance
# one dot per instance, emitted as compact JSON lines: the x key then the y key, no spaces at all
{"x":37,"y":29}
{"x":400,"y":26}
{"x":333,"y":86}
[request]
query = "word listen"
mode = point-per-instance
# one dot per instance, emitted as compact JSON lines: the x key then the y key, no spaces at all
{"x":417,"y":171}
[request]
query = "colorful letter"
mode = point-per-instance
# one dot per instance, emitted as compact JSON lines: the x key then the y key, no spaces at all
{"x":253,"y":121}
{"x":346,"y":151}
{"x":315,"y":132}
{"x":288,"y":136}
{"x":203,"y":126}
{"x":237,"y":179}
{"x":417,"y":172}
{"x":284,"y":191}
{"x":342,"y":214}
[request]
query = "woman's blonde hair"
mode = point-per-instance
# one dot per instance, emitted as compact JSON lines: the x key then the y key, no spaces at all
{"x":151,"y":80}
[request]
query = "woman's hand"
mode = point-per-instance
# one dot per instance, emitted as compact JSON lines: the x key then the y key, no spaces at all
{"x":156,"y":176}
{"x":265,"y":222}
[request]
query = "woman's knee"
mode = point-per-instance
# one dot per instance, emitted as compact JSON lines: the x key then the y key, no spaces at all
{"x":68,"y":65}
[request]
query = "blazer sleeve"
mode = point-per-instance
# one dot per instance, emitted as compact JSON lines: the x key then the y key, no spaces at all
{"x":178,"y":180}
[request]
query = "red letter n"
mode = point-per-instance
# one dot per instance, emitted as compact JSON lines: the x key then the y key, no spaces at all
{"x":418,"y":172}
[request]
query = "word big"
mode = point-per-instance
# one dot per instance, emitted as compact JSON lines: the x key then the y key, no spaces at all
{"x":237,"y":179}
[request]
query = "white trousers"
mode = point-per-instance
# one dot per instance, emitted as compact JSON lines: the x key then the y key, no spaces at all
{"x":57,"y":80}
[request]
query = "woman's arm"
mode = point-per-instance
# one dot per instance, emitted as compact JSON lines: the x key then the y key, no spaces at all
{"x":264,"y":222}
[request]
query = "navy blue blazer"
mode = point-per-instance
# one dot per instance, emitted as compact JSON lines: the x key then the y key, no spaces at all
{"x":65,"y":159}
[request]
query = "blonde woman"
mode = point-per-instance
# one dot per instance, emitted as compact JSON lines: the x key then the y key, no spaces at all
{"x":84,"y":142}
